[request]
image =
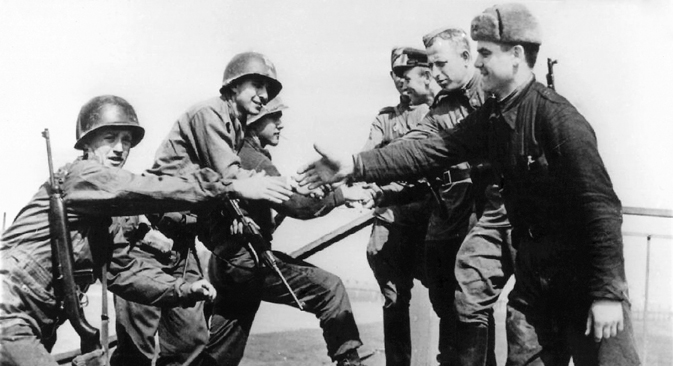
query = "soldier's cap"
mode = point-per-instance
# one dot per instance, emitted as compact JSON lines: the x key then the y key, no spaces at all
{"x":405,"y":58}
{"x":275,"y":105}
{"x":506,"y":23}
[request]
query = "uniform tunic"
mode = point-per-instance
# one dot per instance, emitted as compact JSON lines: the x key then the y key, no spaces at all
{"x":560,"y":201}
{"x":92,"y":194}
{"x":242,"y":285}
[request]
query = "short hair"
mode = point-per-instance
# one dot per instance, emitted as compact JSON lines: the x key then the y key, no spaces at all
{"x":457,"y":36}
{"x":530,"y":50}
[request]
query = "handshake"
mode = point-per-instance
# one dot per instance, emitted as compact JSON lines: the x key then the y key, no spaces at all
{"x":359,"y":195}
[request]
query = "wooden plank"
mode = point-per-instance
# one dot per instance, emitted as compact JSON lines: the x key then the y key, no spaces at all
{"x":327,"y":240}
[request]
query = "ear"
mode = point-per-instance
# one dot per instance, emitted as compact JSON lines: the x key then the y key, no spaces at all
{"x":465,"y":55}
{"x":519,"y":53}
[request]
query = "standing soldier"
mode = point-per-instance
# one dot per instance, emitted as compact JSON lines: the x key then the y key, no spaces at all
{"x":395,"y":250}
{"x":450,"y":59}
{"x":482,"y":269}
{"x":209,"y":135}
{"x":206,"y":136}
{"x":570,"y":298}
{"x":244,"y":285}
{"x":95,"y":188}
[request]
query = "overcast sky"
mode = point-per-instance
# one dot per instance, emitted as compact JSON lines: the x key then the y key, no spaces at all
{"x":332,"y":58}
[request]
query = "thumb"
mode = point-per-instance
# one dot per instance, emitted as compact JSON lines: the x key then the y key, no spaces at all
{"x":320,"y":150}
{"x":589,"y":324}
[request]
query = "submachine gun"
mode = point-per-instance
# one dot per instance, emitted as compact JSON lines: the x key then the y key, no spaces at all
{"x":550,"y":73}
{"x":65,"y":288}
{"x":260,"y":246}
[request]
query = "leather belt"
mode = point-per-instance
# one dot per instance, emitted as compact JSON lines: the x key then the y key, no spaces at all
{"x":453,"y":175}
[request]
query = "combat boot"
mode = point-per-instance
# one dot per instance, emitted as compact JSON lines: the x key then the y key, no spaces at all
{"x":350,"y":358}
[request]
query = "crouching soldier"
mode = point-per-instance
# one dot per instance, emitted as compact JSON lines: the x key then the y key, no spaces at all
{"x":95,"y":188}
{"x":244,"y":285}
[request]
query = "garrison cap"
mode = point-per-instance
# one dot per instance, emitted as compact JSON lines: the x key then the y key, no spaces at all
{"x":405,"y":58}
{"x":506,"y":23}
{"x":275,"y":105}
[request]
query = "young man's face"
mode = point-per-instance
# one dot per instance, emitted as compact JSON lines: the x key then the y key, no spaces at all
{"x":110,"y":146}
{"x":251,"y":94}
{"x":268,"y":129}
{"x":416,"y":85}
{"x":496,"y":67}
{"x":449,"y":66}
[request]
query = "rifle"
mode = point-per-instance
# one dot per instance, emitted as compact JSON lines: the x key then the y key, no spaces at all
{"x":65,"y":289}
{"x":550,"y":73}
{"x":259,"y":245}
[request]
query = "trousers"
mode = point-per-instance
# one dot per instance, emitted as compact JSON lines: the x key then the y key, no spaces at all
{"x":242,"y":285}
{"x":548,"y":307}
{"x":396,"y":255}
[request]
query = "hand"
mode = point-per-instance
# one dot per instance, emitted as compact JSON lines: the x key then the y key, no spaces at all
{"x":331,"y":168}
{"x":236,"y":227}
{"x":357,"y":196}
{"x":260,"y":187}
{"x":605,"y":318}
{"x":317,"y":193}
{"x":157,"y":240}
{"x":201,"y":290}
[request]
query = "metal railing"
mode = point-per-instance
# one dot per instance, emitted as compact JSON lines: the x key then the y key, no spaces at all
{"x":660,"y":213}
{"x":368,"y":218}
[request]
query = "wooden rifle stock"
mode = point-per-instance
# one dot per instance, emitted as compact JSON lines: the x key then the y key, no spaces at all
{"x":65,"y":287}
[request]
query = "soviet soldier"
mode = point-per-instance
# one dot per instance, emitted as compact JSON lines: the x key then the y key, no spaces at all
{"x":95,"y":188}
{"x":571,"y":296}
{"x":395,"y":249}
{"x":482,"y":269}
{"x":244,"y":284}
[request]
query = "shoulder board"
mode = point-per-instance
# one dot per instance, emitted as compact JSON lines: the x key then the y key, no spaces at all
{"x":551,"y":95}
{"x":387,"y":110}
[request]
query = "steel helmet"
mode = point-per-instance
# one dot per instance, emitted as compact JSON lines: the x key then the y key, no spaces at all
{"x":252,"y":63}
{"x":274,"y":106}
{"x":107,"y":111}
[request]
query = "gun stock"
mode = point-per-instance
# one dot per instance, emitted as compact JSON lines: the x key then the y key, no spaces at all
{"x":261,"y":247}
{"x":63,"y":264}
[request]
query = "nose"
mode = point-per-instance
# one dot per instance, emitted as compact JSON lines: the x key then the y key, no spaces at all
{"x":435,"y":72}
{"x":478,"y":62}
{"x":263,"y":94}
{"x":118,"y":146}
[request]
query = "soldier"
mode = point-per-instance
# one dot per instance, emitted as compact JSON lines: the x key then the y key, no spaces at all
{"x":169,"y":243}
{"x":395,"y":249}
{"x":95,"y":188}
{"x":209,"y":135}
{"x":450,"y":59}
{"x":482,"y":269}
{"x":570,"y":298}
{"x":244,"y":285}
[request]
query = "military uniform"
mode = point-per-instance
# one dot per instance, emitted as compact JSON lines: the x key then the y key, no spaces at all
{"x":395,"y":250}
{"x":242,"y":285}
{"x":29,"y":314}
{"x":565,"y":215}
{"x":180,"y":329}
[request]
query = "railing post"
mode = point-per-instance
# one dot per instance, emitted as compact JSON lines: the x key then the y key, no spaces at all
{"x":647,"y":297}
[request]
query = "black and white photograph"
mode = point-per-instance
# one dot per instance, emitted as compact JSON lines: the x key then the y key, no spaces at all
{"x":350,"y":183}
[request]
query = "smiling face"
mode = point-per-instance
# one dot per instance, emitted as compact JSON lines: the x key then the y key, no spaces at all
{"x":109,"y":146}
{"x":498,"y":67}
{"x":450,"y":64}
{"x":251,"y":94}
{"x":416,"y":85}
{"x":268,"y":129}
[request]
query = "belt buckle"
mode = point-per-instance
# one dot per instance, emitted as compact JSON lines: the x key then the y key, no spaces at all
{"x":446,"y":177}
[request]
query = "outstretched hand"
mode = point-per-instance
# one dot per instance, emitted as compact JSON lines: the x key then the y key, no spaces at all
{"x":605,"y":319}
{"x":261,"y":187}
{"x":332,"y":167}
